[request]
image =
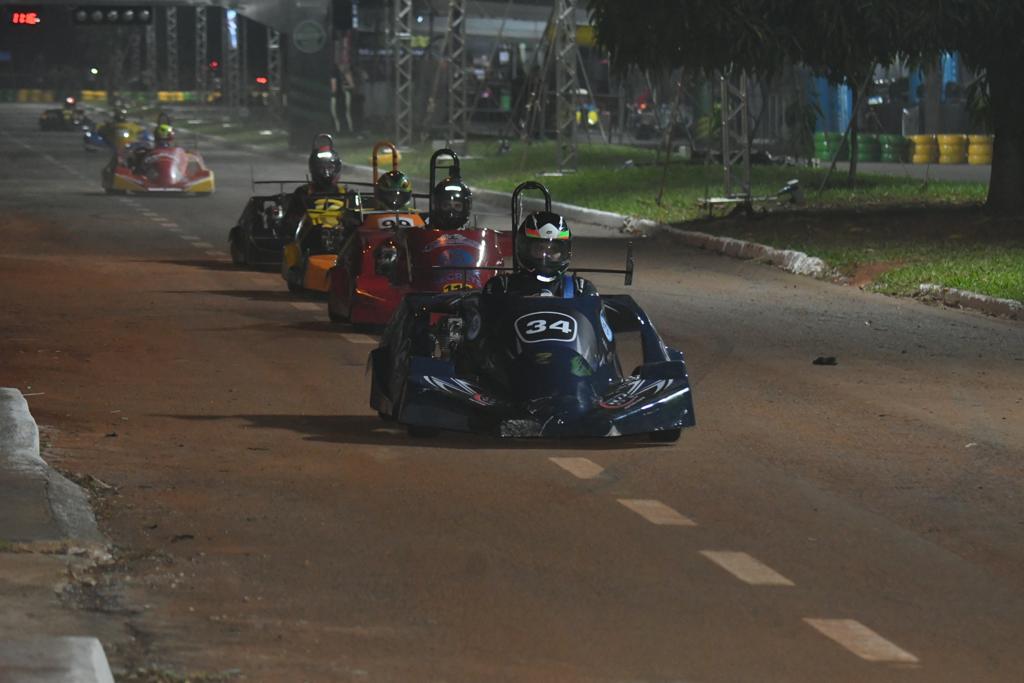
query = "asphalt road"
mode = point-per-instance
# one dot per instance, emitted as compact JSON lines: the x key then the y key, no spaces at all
{"x":857,"y":522}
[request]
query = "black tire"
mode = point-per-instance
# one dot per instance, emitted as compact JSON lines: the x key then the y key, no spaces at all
{"x":294,"y":281}
{"x":387,"y":417}
{"x":335,"y":317}
{"x":239,"y":254}
{"x":665,"y":436}
{"x":420,"y":432}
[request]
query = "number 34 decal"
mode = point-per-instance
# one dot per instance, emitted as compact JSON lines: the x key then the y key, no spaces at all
{"x":546,"y":326}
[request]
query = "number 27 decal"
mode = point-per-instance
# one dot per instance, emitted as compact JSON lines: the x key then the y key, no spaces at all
{"x":546,"y":326}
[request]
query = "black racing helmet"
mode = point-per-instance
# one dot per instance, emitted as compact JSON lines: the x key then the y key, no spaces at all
{"x":544,"y":245}
{"x":451,"y":202}
{"x":324,"y":166}
{"x":121,"y":114}
{"x":393,"y":190}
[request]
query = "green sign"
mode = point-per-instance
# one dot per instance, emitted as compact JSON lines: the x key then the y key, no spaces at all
{"x":309,"y":36}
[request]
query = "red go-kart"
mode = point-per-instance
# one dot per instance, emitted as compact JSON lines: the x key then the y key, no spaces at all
{"x":158,"y":169}
{"x":391,"y":254}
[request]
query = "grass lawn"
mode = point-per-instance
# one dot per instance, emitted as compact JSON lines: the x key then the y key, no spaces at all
{"x":895,"y":249}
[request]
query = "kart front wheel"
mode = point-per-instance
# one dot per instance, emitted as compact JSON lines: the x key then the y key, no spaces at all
{"x":420,"y":432}
{"x":665,"y":436}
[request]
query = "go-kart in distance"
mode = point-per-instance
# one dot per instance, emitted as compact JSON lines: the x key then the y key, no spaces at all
{"x":163,"y":168}
{"x":68,"y":117}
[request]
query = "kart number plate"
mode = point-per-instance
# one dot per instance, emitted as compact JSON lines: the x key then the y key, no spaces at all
{"x":326,"y":213}
{"x":546,"y":326}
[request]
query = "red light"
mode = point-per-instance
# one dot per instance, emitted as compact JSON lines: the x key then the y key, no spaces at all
{"x":214,"y":63}
{"x":26,"y":18}
{"x":262,"y":80}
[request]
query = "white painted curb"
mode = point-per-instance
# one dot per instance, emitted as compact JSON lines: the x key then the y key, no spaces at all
{"x":67,"y":659}
{"x":950,"y":296}
{"x":19,"y":435}
{"x":788,"y":259}
{"x":19,"y":452}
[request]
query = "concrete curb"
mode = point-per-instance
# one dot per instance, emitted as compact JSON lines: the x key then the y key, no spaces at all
{"x":69,"y":510}
{"x":67,"y":659}
{"x":959,"y":298}
{"x":796,"y":262}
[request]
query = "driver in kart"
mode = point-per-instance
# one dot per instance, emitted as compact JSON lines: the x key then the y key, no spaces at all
{"x":450,"y":205}
{"x":163,"y":137}
{"x":324,"y":171}
{"x":543,"y":250}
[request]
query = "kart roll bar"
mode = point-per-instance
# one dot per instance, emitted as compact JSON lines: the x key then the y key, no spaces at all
{"x":394,"y":157}
{"x":517,"y":209}
{"x":454,"y":171}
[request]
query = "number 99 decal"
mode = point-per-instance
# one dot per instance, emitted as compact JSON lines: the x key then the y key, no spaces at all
{"x":398,"y":222}
{"x":546,"y":326}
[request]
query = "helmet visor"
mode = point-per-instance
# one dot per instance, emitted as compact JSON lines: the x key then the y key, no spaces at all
{"x":546,"y":257}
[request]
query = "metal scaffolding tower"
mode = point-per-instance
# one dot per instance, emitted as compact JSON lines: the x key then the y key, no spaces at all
{"x":171,"y":38}
{"x":200,"y":64}
{"x":566,"y":87}
{"x":455,"y":55}
{"x":402,"y":56}
{"x":151,"y":56}
{"x":735,"y":132}
{"x":274,"y":71}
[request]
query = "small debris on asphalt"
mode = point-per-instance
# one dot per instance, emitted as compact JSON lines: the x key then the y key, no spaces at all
{"x":182,"y":537}
{"x":110,"y":434}
{"x":971,"y":445}
{"x":825,"y":360}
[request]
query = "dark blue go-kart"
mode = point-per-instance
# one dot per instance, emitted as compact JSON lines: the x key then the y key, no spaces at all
{"x":529,"y":366}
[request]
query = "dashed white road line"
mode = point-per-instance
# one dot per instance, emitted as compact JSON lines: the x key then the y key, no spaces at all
{"x":746,"y":568}
{"x":861,"y":640}
{"x":307,"y":306}
{"x":656,"y":512}
{"x":581,"y":468}
{"x":190,"y":238}
{"x":202,"y":245}
{"x":213,"y":252}
{"x":358,"y":338}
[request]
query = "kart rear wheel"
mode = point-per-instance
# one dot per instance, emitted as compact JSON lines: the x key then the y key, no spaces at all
{"x":665,"y":436}
{"x":239,"y":253}
{"x":335,"y":317}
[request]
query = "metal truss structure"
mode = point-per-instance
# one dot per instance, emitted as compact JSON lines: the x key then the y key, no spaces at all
{"x":171,"y":38}
{"x":150,"y":73}
{"x":735,"y":132}
{"x":455,"y":56}
{"x":274,"y":71}
{"x":566,"y":85}
{"x":200,"y":64}
{"x":402,"y":56}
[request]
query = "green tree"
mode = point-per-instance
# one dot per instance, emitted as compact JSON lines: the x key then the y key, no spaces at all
{"x":841,"y":40}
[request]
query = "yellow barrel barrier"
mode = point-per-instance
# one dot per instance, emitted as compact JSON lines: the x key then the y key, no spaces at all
{"x":94,"y":95}
{"x":979,"y":149}
{"x":926,"y":150}
{"x":952,"y":149}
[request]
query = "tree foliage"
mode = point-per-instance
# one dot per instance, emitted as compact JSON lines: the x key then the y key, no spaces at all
{"x":840,"y":39}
